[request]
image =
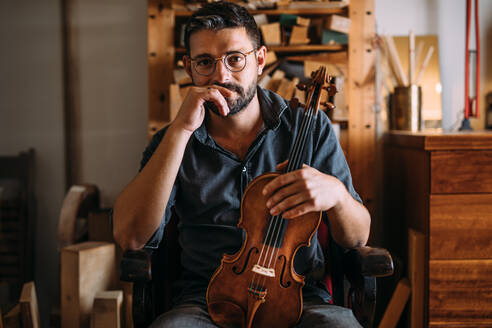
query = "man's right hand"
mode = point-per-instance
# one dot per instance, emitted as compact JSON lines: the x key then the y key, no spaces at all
{"x":192,"y":111}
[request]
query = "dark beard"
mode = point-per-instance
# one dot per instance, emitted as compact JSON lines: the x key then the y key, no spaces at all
{"x":240,"y":103}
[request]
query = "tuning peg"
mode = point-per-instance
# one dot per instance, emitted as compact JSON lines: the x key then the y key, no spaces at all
{"x":328,"y":105}
{"x":301,"y":86}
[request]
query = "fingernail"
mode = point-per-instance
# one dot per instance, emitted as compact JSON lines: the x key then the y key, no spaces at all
{"x":269,"y":203}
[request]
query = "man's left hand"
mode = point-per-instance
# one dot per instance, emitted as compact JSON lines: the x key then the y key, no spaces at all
{"x":302,"y":191}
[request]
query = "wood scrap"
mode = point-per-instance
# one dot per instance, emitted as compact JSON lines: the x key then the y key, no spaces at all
{"x":396,"y":304}
{"x":28,"y":302}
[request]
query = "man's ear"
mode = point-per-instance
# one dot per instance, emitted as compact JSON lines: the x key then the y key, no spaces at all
{"x":187,"y":64}
{"x":261,"y":54}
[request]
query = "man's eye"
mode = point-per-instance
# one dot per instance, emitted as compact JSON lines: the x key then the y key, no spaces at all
{"x":235,"y":60}
{"x":204,"y":62}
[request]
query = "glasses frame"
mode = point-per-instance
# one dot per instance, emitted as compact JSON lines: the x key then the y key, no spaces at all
{"x":223,"y":57}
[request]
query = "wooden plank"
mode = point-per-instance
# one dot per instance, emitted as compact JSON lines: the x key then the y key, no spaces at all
{"x":429,"y":140}
{"x":460,"y":226}
{"x":107,"y":310}
{"x":86,"y":269}
{"x":461,"y":171}
{"x":338,"y":23}
{"x":271,"y":34}
{"x":29,"y":306}
{"x":416,"y":274}
{"x":361,"y":98}
{"x":299,"y":35}
{"x":460,"y":291}
{"x":396,"y":304}
{"x":160,"y":63}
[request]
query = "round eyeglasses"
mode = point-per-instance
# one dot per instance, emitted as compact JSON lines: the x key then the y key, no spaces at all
{"x":234,"y":61}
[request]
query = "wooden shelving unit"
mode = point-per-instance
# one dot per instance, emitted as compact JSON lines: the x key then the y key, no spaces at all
{"x":359,"y":87}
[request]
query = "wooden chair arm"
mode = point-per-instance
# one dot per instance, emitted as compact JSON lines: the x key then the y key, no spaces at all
{"x":368,"y":261}
{"x":136,"y":266}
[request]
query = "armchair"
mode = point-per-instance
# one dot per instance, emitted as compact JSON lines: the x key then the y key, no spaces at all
{"x":151,"y":296}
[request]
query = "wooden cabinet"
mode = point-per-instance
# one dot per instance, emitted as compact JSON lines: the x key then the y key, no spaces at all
{"x":441,"y":185}
{"x":164,"y":50}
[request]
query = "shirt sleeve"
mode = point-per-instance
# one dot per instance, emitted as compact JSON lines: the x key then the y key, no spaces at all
{"x":328,"y":155}
{"x":156,"y":238}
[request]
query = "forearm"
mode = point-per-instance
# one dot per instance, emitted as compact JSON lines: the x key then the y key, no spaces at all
{"x":140,"y":206}
{"x":350,"y":221}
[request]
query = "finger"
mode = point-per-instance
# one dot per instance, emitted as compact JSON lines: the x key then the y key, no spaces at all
{"x":283,"y":193}
{"x":289,"y":203}
{"x":299,"y":210}
{"x":283,"y":165}
{"x":224,"y":91}
{"x":282,"y":180}
{"x":215,"y":96}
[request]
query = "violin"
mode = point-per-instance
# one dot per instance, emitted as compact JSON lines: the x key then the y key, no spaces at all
{"x":258,"y":286}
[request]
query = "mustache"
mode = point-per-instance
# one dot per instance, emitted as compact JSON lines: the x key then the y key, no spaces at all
{"x":231,"y":86}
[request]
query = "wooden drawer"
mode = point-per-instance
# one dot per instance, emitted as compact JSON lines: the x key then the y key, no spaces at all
{"x":461,"y":172}
{"x":460,"y":291}
{"x":460,"y":226}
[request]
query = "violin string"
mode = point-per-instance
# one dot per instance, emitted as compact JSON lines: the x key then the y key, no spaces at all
{"x":276,"y":219}
{"x":270,"y":233}
{"x":296,"y":161}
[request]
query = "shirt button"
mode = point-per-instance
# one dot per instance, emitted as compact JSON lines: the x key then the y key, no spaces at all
{"x":244,"y":169}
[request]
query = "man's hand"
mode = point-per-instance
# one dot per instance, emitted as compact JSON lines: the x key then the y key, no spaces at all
{"x":302,"y":191}
{"x":192,"y":111}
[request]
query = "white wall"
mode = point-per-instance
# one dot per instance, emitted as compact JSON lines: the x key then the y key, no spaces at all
{"x":111,"y":58}
{"x":447,"y":20}
{"x":31,"y":115}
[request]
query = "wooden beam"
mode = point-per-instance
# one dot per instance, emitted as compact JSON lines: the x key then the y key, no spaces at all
{"x":396,"y":304}
{"x":161,"y":63}
{"x":361,"y":100}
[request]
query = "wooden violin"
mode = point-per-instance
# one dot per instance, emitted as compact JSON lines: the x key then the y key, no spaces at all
{"x":258,"y":286}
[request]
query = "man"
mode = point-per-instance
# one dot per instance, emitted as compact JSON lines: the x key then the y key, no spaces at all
{"x":227,"y":132}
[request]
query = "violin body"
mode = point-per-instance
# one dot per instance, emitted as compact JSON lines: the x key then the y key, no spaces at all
{"x":277,"y":297}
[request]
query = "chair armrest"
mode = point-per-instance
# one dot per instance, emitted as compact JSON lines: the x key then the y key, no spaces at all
{"x":136,"y":266}
{"x":368,"y":261}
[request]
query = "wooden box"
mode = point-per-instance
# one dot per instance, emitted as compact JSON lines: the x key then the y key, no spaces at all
{"x":86,"y":269}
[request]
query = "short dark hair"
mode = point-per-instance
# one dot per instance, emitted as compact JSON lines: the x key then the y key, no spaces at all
{"x":216,"y":16}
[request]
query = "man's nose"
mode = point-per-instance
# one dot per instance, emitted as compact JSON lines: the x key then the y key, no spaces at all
{"x":222,"y":73}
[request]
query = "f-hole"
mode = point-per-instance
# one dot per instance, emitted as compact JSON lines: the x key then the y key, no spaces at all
{"x":234,"y":268}
{"x":282,"y":273}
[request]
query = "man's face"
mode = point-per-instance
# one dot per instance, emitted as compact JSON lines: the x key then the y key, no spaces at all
{"x":219,"y":43}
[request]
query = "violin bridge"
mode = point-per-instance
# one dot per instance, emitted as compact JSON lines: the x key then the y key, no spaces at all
{"x":263,"y":271}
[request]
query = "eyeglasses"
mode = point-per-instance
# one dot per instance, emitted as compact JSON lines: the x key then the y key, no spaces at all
{"x":234,"y":61}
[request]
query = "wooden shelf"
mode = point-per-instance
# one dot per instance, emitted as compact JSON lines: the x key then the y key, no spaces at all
{"x":299,"y":48}
{"x":278,"y":12}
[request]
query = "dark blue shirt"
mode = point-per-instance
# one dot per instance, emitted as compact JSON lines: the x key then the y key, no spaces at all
{"x":211,"y":181}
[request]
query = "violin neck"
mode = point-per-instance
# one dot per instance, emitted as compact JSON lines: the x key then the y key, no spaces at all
{"x":296,"y":155}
